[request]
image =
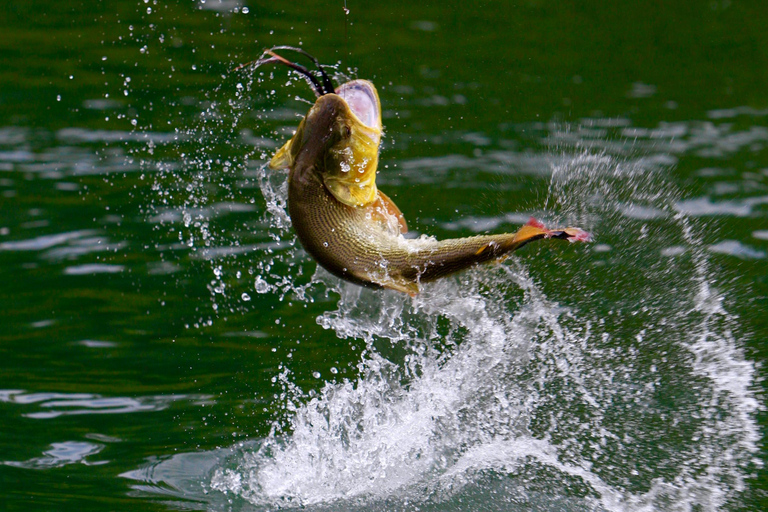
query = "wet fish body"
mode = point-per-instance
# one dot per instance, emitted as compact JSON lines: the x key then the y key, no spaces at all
{"x":350,"y":227}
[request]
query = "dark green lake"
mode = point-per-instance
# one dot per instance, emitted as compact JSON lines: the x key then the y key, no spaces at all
{"x":166,"y":343}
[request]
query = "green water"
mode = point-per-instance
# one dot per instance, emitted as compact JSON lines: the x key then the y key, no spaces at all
{"x":164,"y":338}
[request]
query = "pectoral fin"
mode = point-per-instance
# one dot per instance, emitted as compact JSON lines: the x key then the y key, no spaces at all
{"x":283,"y":158}
{"x":385,"y":208}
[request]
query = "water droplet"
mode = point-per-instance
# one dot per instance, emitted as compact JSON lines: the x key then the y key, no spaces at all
{"x":316,"y":375}
{"x":260,"y":285}
{"x":245,"y":297}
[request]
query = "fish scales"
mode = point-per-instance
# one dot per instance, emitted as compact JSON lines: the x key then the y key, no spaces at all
{"x":353,"y":229}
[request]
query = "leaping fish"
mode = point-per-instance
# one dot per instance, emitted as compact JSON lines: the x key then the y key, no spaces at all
{"x":344,"y":221}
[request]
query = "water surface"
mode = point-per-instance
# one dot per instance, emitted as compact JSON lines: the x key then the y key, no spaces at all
{"x":168,"y":345}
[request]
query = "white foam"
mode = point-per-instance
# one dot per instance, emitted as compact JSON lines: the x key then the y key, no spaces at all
{"x":578,"y":387}
{"x":487,"y":376}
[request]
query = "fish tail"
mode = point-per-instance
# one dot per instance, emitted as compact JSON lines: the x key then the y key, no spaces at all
{"x":533,"y":230}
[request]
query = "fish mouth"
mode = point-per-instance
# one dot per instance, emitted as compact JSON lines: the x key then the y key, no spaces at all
{"x":363,"y":102}
{"x":360,"y":95}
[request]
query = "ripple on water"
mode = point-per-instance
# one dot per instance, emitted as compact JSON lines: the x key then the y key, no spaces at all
{"x":667,"y":140}
{"x":93,"y":268}
{"x":729,"y":113}
{"x":53,"y":405}
{"x":45,"y":241}
{"x":213,"y":211}
{"x":62,"y":454}
{"x":478,"y":224}
{"x":70,"y":246}
{"x":738,"y":249}
{"x":112,"y":136}
{"x":642,"y":212}
{"x":705,"y":206}
{"x":98,"y":343}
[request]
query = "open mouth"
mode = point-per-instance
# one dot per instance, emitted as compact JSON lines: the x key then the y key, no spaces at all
{"x":360,"y":95}
{"x":363,"y":101}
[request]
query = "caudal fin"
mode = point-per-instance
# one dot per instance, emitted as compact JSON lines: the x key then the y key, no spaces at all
{"x":535,"y":230}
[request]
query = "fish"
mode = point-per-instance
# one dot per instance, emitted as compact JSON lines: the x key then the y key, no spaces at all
{"x":341,"y":218}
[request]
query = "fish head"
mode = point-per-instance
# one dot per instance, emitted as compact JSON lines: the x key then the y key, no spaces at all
{"x":339,"y":139}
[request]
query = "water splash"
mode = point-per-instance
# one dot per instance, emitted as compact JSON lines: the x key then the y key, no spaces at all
{"x":205,"y":180}
{"x":488,"y":387}
{"x":564,"y":391}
